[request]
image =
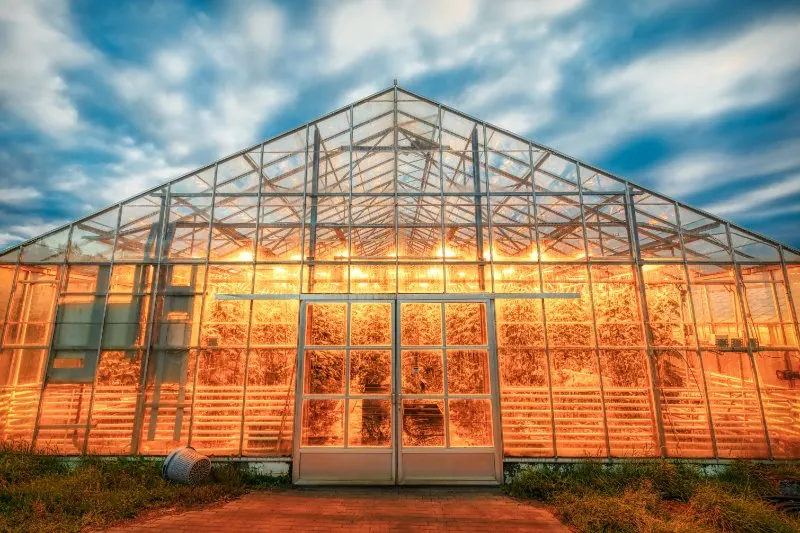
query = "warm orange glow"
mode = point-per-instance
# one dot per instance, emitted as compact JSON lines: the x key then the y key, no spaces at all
{"x":244,"y":256}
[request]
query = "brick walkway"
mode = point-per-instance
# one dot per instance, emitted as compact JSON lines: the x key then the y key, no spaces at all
{"x":328,"y":510}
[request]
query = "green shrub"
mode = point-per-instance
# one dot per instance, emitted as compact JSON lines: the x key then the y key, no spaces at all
{"x":44,"y":493}
{"x":716,"y":507}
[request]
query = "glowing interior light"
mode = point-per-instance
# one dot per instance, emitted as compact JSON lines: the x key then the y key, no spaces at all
{"x":357,"y":273}
{"x":461,"y":273}
{"x":434,"y":272}
{"x":296,"y":257}
{"x":534,"y":256}
{"x":245,"y":255}
{"x":279,"y":270}
{"x":445,"y":252}
{"x":341,"y":254}
{"x":508,"y":271}
{"x":487,"y":256}
{"x":580,"y":255}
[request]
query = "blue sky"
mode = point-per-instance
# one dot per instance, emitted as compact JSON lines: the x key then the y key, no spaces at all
{"x":697,"y":99}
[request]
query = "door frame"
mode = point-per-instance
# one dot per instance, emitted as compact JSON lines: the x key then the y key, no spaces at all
{"x":396,"y":416}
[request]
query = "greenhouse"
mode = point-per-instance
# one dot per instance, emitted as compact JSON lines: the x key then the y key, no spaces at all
{"x":399,"y":293}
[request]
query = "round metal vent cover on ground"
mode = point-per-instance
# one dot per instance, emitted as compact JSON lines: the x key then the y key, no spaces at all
{"x":185,"y":465}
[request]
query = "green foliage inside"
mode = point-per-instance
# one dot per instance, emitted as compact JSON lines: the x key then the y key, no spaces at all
{"x":659,"y":496}
{"x":45,"y":493}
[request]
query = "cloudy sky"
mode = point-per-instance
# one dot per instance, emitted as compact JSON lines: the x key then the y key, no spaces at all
{"x":698,"y":99}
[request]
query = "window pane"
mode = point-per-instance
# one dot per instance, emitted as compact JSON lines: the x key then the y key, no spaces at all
{"x":470,"y":423}
{"x":423,"y":423}
{"x":370,"y":324}
{"x":326,"y":324}
{"x":422,"y":372}
{"x":323,"y":423}
{"x":369,"y":423}
{"x":465,"y":324}
{"x":467,"y":372}
{"x":370,"y":372}
{"x":324,"y":372}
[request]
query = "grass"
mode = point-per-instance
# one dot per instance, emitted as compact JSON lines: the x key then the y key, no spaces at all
{"x":39,"y":492}
{"x":659,"y":496}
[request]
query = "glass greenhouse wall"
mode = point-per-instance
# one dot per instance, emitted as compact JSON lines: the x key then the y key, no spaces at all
{"x":397,"y":275}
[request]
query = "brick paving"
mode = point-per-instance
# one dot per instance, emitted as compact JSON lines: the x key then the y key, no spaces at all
{"x":373,"y":509}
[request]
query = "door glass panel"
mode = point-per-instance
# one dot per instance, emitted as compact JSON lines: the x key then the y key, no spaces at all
{"x":324,"y":370}
{"x":323,"y":423}
{"x":370,"y":372}
{"x":422,"y":372}
{"x":423,"y":422}
{"x":453,"y":371}
{"x":354,"y":379}
{"x":326,"y":324}
{"x":371,"y":324}
{"x":421,"y":324}
{"x":470,"y":422}
{"x":369,"y":422}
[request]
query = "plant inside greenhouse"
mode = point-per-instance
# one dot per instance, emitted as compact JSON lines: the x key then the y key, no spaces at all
{"x":397,"y":293}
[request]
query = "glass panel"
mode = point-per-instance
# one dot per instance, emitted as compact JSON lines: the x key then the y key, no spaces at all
{"x":569,"y":320}
{"x":779,"y":372}
{"x":323,"y":423}
{"x":421,"y":278}
{"x":62,"y":422}
{"x":555,"y":174}
{"x":516,"y":278}
{"x":513,"y":232}
{"x":93,"y":239}
{"x":669,"y":306}
{"x":595,"y":181}
{"x":369,"y":423}
{"x":683,"y":404}
{"x":468,"y":278}
{"x":767,"y":306}
{"x":421,"y":324}
{"x":616,"y":306}
{"x":284,"y":161}
{"x":234,"y":228}
{"x":422,"y":372}
{"x":114,"y":406}
{"x":326,"y":324}
{"x":140,"y":227}
{"x":467,"y":372}
{"x":704,"y":238}
{"x":716,"y":306}
{"x":370,"y":372}
{"x":560,"y":228}
{"x":465,"y":324}
{"x":372,"y":233}
{"x":373,"y":278}
{"x":219,"y":394}
{"x":21,"y":374}
{"x":274,"y":323}
{"x":470,"y":423}
{"x":629,"y":413}
{"x":168,"y":401}
{"x":423,"y":423}
{"x":734,"y":405}
{"x":280,"y":231}
{"x":657,"y":227}
{"x":49,"y":249}
{"x":324,"y":372}
{"x":269,"y":401}
{"x":277,"y":279}
{"x":577,"y":405}
{"x":748,"y":247}
{"x":371,"y":324}
{"x":325,"y":278}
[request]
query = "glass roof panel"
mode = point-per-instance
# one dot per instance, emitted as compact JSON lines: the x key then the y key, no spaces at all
{"x":51,"y":248}
{"x":93,"y":239}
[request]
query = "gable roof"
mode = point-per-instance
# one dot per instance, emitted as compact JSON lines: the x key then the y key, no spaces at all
{"x":434,"y":148}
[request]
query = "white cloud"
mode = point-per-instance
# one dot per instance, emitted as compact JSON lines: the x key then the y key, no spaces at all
{"x":39,"y":47}
{"x":699,"y":171}
{"x":241,"y":93}
{"x":755,"y":199}
{"x":18,"y":195}
{"x":689,"y":83}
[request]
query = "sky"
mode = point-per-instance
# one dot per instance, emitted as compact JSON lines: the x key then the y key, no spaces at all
{"x":696,"y":99}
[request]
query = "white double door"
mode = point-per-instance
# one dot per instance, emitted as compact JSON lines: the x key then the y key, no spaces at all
{"x":397,"y":391}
